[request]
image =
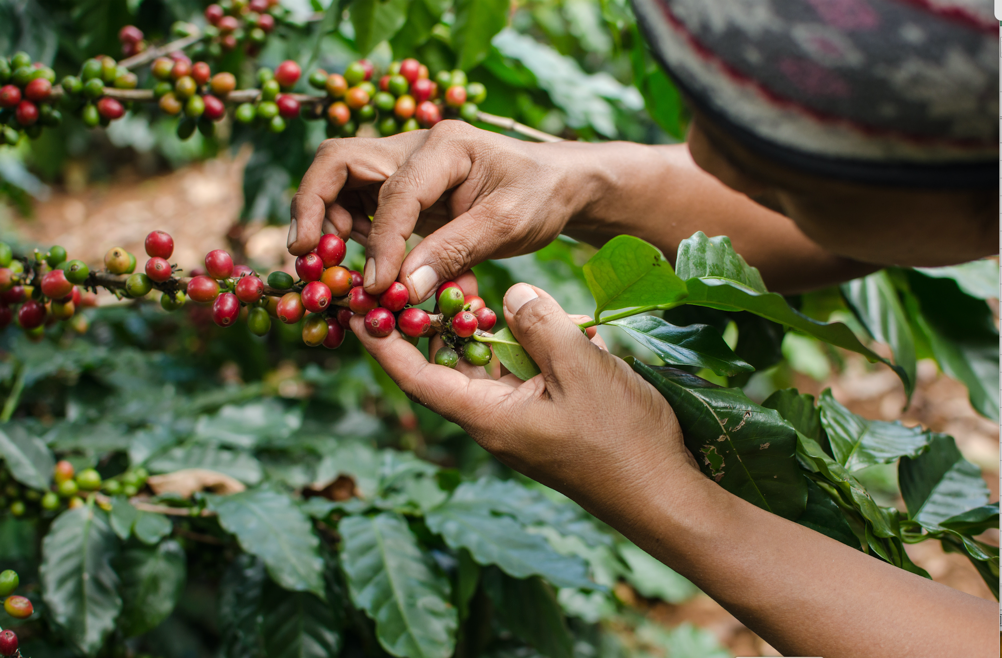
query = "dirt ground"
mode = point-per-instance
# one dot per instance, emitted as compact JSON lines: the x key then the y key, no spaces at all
{"x":199,"y":205}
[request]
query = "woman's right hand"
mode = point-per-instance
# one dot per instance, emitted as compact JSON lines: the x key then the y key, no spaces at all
{"x":474,"y":194}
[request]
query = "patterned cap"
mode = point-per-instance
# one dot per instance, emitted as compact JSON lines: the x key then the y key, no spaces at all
{"x":889,"y":92}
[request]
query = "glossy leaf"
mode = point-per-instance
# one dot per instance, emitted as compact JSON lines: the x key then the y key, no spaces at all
{"x":79,"y":585}
{"x":394,"y":583}
{"x":477,"y":21}
{"x":122,"y":517}
{"x":978,"y":278}
{"x":375,"y":22}
{"x":513,"y":356}
{"x":152,"y":581}
{"x":974,"y":521}
{"x":823,"y":515}
{"x":746,"y":448}
{"x":653,"y":579}
{"x":240,"y":593}
{"x":529,"y":609}
{"x":239,"y":465}
{"x":697,"y":345}
{"x":26,"y":457}
{"x":628,"y":272}
{"x":875,"y":302}
{"x":859,"y":442}
{"x":299,"y":625}
{"x":940,"y":484}
{"x":268,"y":524}
{"x":700,"y":256}
{"x":246,"y":425}
{"x":151,"y":527}
{"x":799,"y":410}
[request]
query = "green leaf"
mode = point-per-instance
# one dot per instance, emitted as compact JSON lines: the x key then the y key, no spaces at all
{"x":697,"y":345}
{"x":798,"y":410}
{"x":122,"y":517}
{"x":859,"y":442}
{"x":240,"y":594}
{"x":874,"y":301}
{"x":940,"y":484}
{"x":513,"y":356}
{"x":26,"y":457}
{"x":152,"y":581}
{"x":477,"y":21}
{"x":684,"y":641}
{"x":150,"y":527}
{"x":748,"y":449}
{"x":700,"y":257}
{"x":268,"y":524}
{"x":530,"y":610}
{"x":466,"y":521}
{"x":628,"y":272}
{"x":247,"y":425}
{"x":376,"y":21}
{"x":974,"y":521}
{"x":239,"y":465}
{"x":467,"y":581}
{"x":653,"y":579}
{"x":422,"y":16}
{"x":299,"y":625}
{"x":79,"y":585}
{"x":393,"y":581}
{"x":823,"y":515}
{"x":978,"y":278}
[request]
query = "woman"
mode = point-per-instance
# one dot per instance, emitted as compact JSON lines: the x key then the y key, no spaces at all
{"x":830,"y":138}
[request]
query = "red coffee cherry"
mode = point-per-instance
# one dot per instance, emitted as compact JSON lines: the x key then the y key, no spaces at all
{"x":202,"y":289}
{"x":339,"y":113}
{"x":368,"y":67}
{"x":130,"y":34}
{"x":159,"y":244}
{"x":338,"y":280}
{"x":76,"y":297}
{"x":219,"y":264}
{"x":6,"y":315}
{"x":404,"y":107}
{"x":213,"y":13}
{"x":228,"y":24}
{"x":356,"y":278}
{"x":428,"y":114}
{"x":242,"y":271}
{"x":13,"y":296}
{"x":475,"y":303}
{"x":423,"y":90}
{"x":201,"y":72}
{"x":8,"y":643}
{"x":258,"y":6}
{"x":55,"y":285}
{"x":158,"y":269}
{"x":414,"y":322}
{"x":31,"y":314}
{"x":379,"y":322}
{"x":316,"y":296}
{"x":10,"y":96}
{"x":344,"y":316}
{"x":395,"y":297}
{"x":455,"y":96}
{"x":464,"y":324}
{"x":315,"y":330}
{"x":441,"y":288}
{"x":310,"y":267}
{"x":287,"y":73}
{"x":27,"y":113}
{"x":38,"y":90}
{"x":214,"y":108}
{"x":181,"y":69}
{"x":18,"y":607}
{"x":335,"y":333}
{"x":288,"y":107}
{"x":228,"y":42}
{"x":110,"y":108}
{"x":410,"y":68}
{"x":360,"y":301}
{"x":266,"y":23}
{"x":290,"y":308}
{"x":486,"y":319}
{"x":6,"y":279}
{"x":249,"y":289}
{"x":356,"y":98}
{"x":331,"y":250}
{"x":226,"y":309}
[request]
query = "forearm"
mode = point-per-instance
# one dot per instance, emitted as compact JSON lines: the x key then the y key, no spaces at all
{"x":802,"y":592}
{"x":659,"y":194}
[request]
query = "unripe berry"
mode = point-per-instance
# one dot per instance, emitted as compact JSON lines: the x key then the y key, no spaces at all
{"x":50,"y":502}
{"x":451,"y":301}
{"x":89,"y":480}
{"x":38,"y":90}
{"x":280,"y":280}
{"x":223,"y":83}
{"x":59,"y":311}
{"x":158,"y":269}
{"x":110,"y":108}
{"x":338,"y":280}
{"x":446,"y":356}
{"x":62,"y":472}
{"x":316,"y":296}
{"x":160,"y":244}
{"x":168,"y":303}
{"x":360,"y":301}
{"x":404,"y":107}
{"x":379,"y":322}
{"x":486,"y":319}
{"x":201,"y":73}
{"x":464,"y":324}
{"x":474,"y":303}
{"x":287,"y":73}
{"x":67,"y":488}
{"x":27,"y":113}
{"x":31,"y":314}
{"x":336,"y":85}
{"x":356,"y":278}
{"x":315,"y":330}
{"x":18,"y":607}
{"x":410,"y":68}
{"x":170,"y":104}
{"x":288,"y":107}
{"x":162,"y":67}
{"x":428,"y":114}
{"x":356,"y":98}
{"x":7,"y":279}
{"x":138,"y":285}
{"x":395,"y":297}
{"x":455,"y":96}
{"x":202,"y":289}
{"x":9,"y":581}
{"x":335,"y":334}
{"x":397,"y":85}
{"x":344,"y":316}
{"x":225,"y":309}
{"x":290,"y":308}
{"x":8,"y":643}
{"x":18,"y":508}
{"x":55,"y":285}
{"x":367,"y":68}
{"x":476,"y":353}
{"x":331,"y":250}
{"x":249,"y":289}
{"x":219,"y":264}
{"x":258,"y":321}
{"x":310,"y":267}
{"x":414,"y":322}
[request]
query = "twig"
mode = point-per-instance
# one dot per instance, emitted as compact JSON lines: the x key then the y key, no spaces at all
{"x":151,"y":54}
{"x":142,"y":506}
{"x":516,"y":127}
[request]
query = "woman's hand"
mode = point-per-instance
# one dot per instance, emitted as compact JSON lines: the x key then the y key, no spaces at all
{"x":587,"y":426}
{"x":475,"y":194}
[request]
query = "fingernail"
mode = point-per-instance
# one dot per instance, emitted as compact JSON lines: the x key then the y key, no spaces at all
{"x":328,"y":227}
{"x":370,"y":272}
{"x":292,"y":232}
{"x":423,"y":281}
{"x":517,"y":296}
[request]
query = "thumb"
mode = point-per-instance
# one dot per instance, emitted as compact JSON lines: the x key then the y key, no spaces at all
{"x":546,"y":332}
{"x":445,"y":254}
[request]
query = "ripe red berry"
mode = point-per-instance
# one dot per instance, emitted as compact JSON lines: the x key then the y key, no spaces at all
{"x":410,"y":68}
{"x":379,"y":322}
{"x":202,"y":289}
{"x":486,"y":319}
{"x":228,"y":24}
{"x":158,"y":269}
{"x":214,"y":108}
{"x":331,"y":250}
{"x":181,"y":69}
{"x":441,"y":288}
{"x":344,"y":316}
{"x":266,"y":23}
{"x":423,"y":90}
{"x":356,"y":98}
{"x":6,"y":315}
{"x":310,"y":267}
{"x":339,"y":113}
{"x":213,"y":13}
{"x":368,"y":67}
{"x":38,"y":90}
{"x":258,"y":6}
{"x":225,"y":309}
{"x":110,"y":108}
{"x":455,"y":96}
{"x":475,"y":303}
{"x":384,"y":83}
{"x":130,"y":34}
{"x":464,"y":324}
{"x":13,"y":296}
{"x":219,"y":264}
{"x":55,"y":285}
{"x":249,"y":289}
{"x":428,"y":114}
{"x":8,"y":643}
{"x":360,"y":301}
{"x":414,"y":322}
{"x":242,"y":270}
{"x":201,"y":72}
{"x":356,"y":278}
{"x":338,"y":280}
{"x":31,"y":314}
{"x":10,"y":96}
{"x":335,"y":334}
{"x":27,"y":113}
{"x":160,"y":244}
{"x":287,"y":73}
{"x":316,"y":296}
{"x":290,"y":308}
{"x":395,"y":297}
{"x":228,"y":42}
{"x":288,"y":107}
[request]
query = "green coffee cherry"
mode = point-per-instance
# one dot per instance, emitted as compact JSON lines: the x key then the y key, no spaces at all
{"x":17,"y":508}
{"x":476,"y":353}
{"x":129,"y":491}
{"x":72,"y":85}
{"x":112,"y":487}
{"x":476,"y":93}
{"x":55,"y":256}
{"x":270,"y":90}
{"x":451,"y":301}
{"x":388,"y":126}
{"x":258,"y":321}
{"x":267,"y":110}
{"x":194,"y":107}
{"x":89,"y":479}
{"x":19,"y":59}
{"x":384,"y":101}
{"x":6,"y":254}
{"x":280,"y":280}
{"x":77,"y":271}
{"x":468,"y":112}
{"x":91,"y":117}
{"x":50,"y":501}
{"x":93,"y":88}
{"x":276,"y":125}
{"x":318,"y":79}
{"x":245,"y":113}
{"x":91,"y":70}
{"x":22,"y":76}
{"x":132,"y":263}
{"x":264,"y":75}
{"x":4,"y":71}
{"x":68,"y":488}
{"x":138,"y":285}
{"x":446,"y":356}
{"x":8,"y":582}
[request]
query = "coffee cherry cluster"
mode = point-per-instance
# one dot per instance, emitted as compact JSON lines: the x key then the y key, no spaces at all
{"x":86,"y":94}
{"x":131,"y":38}
{"x":25,"y":98}
{"x":18,"y":607}
{"x":273,"y":106}
{"x":191,"y":89}
{"x":236,"y":22}
{"x":465,"y":315}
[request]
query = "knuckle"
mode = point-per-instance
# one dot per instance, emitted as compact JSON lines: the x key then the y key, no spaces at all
{"x":448,"y":129}
{"x":535,"y":317}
